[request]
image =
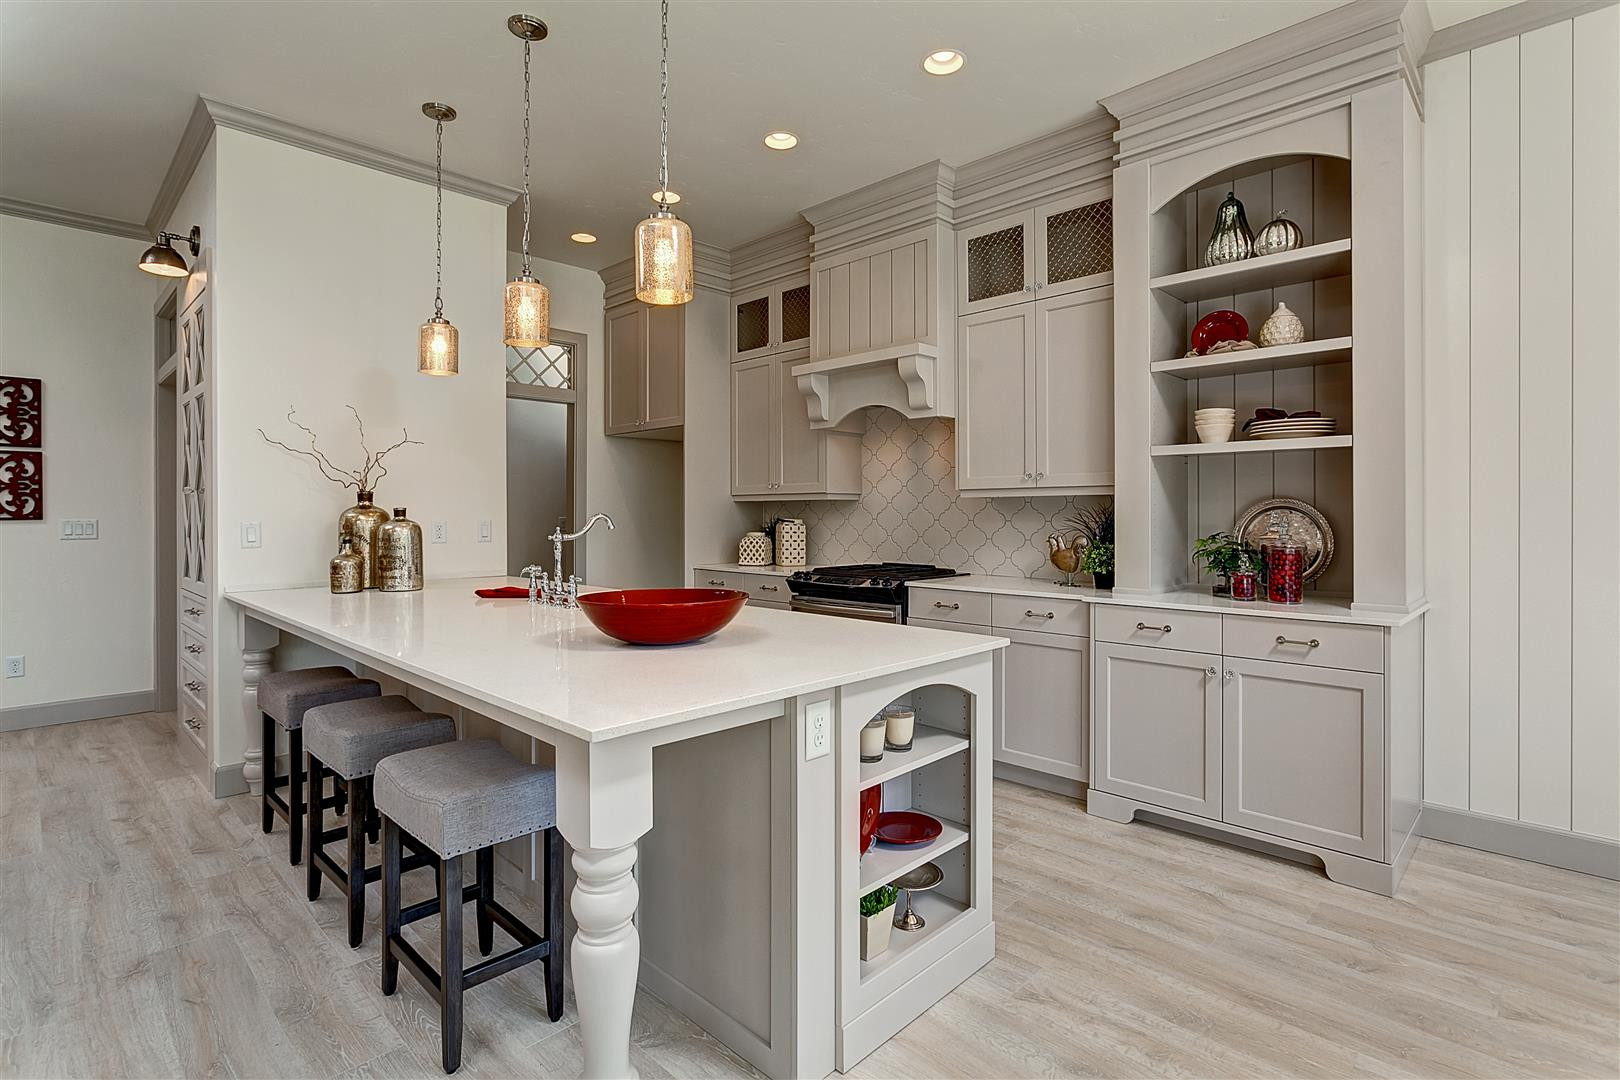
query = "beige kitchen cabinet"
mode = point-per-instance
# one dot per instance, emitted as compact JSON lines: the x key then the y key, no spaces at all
{"x":1304,"y":754}
{"x":1035,"y":409}
{"x":1042,"y":722}
{"x":645,"y":369}
{"x":771,"y":318}
{"x":1063,"y":246}
{"x":1156,"y":721}
{"x":775,"y":453}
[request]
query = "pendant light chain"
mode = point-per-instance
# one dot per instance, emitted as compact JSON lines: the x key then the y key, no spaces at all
{"x":663,"y":120}
{"x":526,"y":45}
{"x":438,"y":220}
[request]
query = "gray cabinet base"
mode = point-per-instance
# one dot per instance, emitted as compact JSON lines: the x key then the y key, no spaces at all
{"x":1378,"y":877}
{"x":1057,"y":785}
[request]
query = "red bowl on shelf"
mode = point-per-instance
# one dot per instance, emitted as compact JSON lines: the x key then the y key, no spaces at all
{"x":1216,"y":327}
{"x":661,"y":616}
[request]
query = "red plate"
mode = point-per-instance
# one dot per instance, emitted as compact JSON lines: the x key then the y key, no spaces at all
{"x":1219,"y":326}
{"x":905,"y":827}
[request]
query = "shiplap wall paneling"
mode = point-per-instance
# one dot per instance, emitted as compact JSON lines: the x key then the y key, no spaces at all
{"x":1446,"y":460}
{"x":1545,"y":576}
{"x":1493,"y":773}
{"x":1595,"y":519}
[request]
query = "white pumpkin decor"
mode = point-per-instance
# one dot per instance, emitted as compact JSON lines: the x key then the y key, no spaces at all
{"x":1282,"y":328}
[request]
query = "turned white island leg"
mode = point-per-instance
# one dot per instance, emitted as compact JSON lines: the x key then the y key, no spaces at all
{"x":605,"y":956}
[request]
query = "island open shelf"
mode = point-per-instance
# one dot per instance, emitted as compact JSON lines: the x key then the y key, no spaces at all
{"x":883,"y":863}
{"x":928,"y":744}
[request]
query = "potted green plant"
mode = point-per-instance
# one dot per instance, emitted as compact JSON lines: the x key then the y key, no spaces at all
{"x":1095,"y":523}
{"x":1223,"y":555}
{"x":877,"y":918}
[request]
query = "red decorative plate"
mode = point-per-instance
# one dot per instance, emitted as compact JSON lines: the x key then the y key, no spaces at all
{"x":905,"y":827}
{"x":1219,"y":326}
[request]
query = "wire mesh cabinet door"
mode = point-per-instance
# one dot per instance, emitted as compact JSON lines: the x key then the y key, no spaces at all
{"x":996,"y":263}
{"x":1074,"y":243}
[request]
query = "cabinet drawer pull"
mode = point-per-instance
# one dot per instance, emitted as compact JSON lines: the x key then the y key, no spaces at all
{"x":194,"y":686}
{"x":193,"y":649}
{"x":947,"y":607}
{"x":1165,"y":629}
{"x":1311,"y":644}
{"x":193,"y":611}
{"x":769,"y":588}
{"x":1040,"y":614}
{"x":716,"y":581}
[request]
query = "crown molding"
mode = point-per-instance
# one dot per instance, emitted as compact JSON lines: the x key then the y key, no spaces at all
{"x":55,"y":215}
{"x":924,"y":195}
{"x":1072,"y":156}
{"x":1317,"y":63}
{"x":210,"y":115}
{"x":1505,"y":23}
{"x":772,"y":256}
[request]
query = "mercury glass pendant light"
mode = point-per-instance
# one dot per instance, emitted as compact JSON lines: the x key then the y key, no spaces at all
{"x":663,"y":241}
{"x":437,"y":349}
{"x":528,"y":302}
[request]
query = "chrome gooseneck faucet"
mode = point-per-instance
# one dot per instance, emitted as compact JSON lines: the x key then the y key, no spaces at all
{"x":553,"y":589}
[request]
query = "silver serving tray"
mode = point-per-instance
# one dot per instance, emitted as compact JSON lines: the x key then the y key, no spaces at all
{"x":1270,"y":519}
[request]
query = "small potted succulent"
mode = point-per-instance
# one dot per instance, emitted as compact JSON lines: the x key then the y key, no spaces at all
{"x":877,"y":918}
{"x":1223,"y":555}
{"x":1095,"y":525}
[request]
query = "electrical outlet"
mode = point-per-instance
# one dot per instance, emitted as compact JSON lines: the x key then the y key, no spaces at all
{"x":16,"y":667}
{"x":817,"y":729}
{"x":486,"y":531}
{"x":79,"y":528}
{"x":441,"y":532}
{"x":252,"y":534}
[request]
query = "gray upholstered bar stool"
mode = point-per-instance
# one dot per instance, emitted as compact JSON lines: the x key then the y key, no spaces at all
{"x":347,"y":739}
{"x":284,"y":698}
{"x":459,"y":798}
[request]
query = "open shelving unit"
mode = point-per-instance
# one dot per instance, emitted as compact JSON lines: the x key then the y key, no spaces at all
{"x":1253,"y":446}
{"x":1298,"y":267}
{"x":1276,"y":358}
{"x":928,"y":745}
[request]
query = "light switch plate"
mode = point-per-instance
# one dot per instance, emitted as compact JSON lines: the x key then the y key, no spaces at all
{"x":79,"y":529}
{"x":252,"y":534}
{"x":440,"y":532}
{"x":486,"y":531}
{"x":16,"y":667}
{"x":817,"y":730}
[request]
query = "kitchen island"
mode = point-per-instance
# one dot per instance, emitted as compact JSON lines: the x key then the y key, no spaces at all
{"x":736,"y":758}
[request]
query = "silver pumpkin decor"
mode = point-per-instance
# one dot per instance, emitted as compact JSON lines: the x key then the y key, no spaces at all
{"x":399,"y":554}
{"x":1279,"y":235}
{"x":1232,"y":240}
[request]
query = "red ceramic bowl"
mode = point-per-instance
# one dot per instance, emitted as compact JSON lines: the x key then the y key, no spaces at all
{"x":1219,"y":326}
{"x":662,"y":616}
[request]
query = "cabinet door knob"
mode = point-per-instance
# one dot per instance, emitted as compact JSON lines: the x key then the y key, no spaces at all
{"x":1229,"y":676}
{"x":1165,"y":629}
{"x":193,"y":611}
{"x":193,"y":649}
{"x":1211,"y":672}
{"x":1311,"y":644}
{"x":947,"y":607}
{"x":1039,"y":285}
{"x":1040,"y":614}
{"x":1040,"y":476}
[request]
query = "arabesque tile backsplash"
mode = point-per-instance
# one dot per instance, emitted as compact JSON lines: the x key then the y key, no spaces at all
{"x":910,"y":510}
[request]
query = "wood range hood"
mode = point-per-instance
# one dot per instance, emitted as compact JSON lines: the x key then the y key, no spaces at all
{"x":912,"y":378}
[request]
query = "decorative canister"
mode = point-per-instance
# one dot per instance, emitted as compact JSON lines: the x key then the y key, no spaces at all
{"x":1279,"y":235}
{"x":792,"y":542}
{"x":754,"y":549}
{"x":1232,"y":240}
{"x":399,"y":554}
{"x":901,"y":726}
{"x":348,"y":570}
{"x":1285,"y":573}
{"x":1245,"y":584}
{"x":359,"y":524}
{"x":872,"y":736}
{"x":1282,"y":328}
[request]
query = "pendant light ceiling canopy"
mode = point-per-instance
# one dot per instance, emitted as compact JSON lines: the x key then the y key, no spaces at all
{"x":663,"y":241}
{"x":438,"y":351}
{"x":528,"y":302}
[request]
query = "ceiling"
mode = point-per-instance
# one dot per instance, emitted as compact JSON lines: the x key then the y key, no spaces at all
{"x":94,"y":95}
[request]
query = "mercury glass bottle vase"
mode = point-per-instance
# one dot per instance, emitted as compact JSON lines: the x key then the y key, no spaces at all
{"x":348,"y":570}
{"x":1232,"y":240}
{"x":399,"y":554}
{"x":359,"y":524}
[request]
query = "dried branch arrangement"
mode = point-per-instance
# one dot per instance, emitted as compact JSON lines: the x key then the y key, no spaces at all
{"x":371,"y":471}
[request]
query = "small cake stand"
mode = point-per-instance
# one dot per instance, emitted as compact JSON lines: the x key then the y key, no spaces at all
{"x":923,"y":878}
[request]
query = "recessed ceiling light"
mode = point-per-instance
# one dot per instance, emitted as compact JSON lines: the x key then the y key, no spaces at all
{"x":669,"y":198}
{"x":943,"y":62}
{"x":781,"y":140}
{"x":583,"y":238}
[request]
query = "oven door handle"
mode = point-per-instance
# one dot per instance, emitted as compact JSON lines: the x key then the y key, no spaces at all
{"x":820,"y":605}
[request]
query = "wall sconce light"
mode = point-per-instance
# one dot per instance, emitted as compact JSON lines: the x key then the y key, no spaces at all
{"x":161,"y":258}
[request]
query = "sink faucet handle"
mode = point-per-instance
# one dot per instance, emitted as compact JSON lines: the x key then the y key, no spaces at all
{"x":538,"y":583}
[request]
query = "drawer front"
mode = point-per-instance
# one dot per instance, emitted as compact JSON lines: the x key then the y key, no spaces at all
{"x":714,"y":579}
{"x":772,"y":604}
{"x":1333,"y":645}
{"x":194,"y":684}
{"x":194,"y":614}
{"x":765,"y":587}
{"x":193,"y":725}
{"x":950,"y":605}
{"x":193,"y":647}
{"x":960,"y":628}
{"x":1161,"y":628}
{"x":1045,"y":616}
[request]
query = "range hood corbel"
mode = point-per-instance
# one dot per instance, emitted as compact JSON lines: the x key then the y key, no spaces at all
{"x":910,"y":378}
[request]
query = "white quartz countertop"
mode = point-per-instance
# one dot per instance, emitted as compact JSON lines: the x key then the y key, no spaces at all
{"x":552,"y":666}
{"x":771,"y":570}
{"x":1329,"y":609}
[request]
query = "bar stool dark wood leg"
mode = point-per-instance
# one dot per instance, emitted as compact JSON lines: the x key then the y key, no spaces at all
{"x":295,"y":795}
{"x":553,"y":845}
{"x":486,"y":896}
{"x":314,"y":820}
{"x":268,"y":788}
{"x":450,"y":968}
{"x":390,"y":891}
{"x":359,"y":807}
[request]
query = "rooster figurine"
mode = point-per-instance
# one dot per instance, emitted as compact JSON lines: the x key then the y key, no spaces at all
{"x":1065,"y":554}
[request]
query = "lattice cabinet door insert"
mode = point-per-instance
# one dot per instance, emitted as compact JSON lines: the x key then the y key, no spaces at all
{"x":753,"y":321}
{"x":997,"y":263}
{"x":1074,"y":245}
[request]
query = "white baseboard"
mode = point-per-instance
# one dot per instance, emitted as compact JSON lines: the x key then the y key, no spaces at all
{"x":1057,"y":785}
{"x":19,"y":717}
{"x":1522,"y":840}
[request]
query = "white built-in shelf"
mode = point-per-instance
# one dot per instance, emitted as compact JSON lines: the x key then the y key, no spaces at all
{"x":1277,"y":358}
{"x":884,"y":863}
{"x":937,"y":911}
{"x":1251,"y":275}
{"x":927,"y":744}
{"x":1253,"y":446}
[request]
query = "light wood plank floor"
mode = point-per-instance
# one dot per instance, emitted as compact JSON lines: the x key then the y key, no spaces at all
{"x":147,"y":930}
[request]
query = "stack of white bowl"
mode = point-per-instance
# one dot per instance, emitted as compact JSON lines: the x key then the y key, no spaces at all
{"x":1215,"y":425}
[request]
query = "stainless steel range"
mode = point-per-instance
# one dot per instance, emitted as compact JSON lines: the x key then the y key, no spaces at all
{"x":872,"y":591}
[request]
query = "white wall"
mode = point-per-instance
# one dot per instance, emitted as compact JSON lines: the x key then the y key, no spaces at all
{"x":76,"y":313}
{"x":1522,"y":244}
